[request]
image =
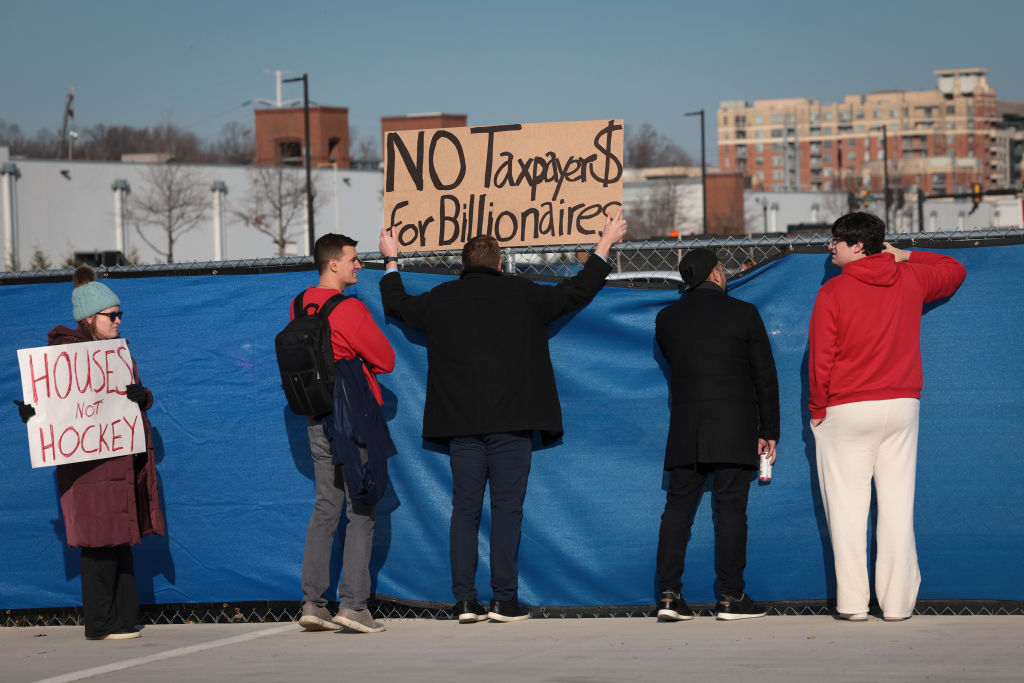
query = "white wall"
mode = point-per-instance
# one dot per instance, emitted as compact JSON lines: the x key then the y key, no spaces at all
{"x":60,"y":214}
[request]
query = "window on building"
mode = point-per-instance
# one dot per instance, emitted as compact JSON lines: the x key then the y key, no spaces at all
{"x":815,"y":130}
{"x":759,"y":134}
{"x":741,"y":121}
{"x":827,"y":172}
{"x":814,"y":116}
{"x":725,"y":135}
{"x":877,"y":113}
{"x":827,"y":144}
{"x":950,"y":139}
{"x":777,"y":175}
{"x":777,"y":146}
{"x":867,"y":155}
{"x":759,"y":161}
{"x":777,"y":161}
{"x":950,"y":125}
{"x":893,"y":113}
{"x":760,"y":147}
{"x":725,"y":162}
{"x":776,"y":133}
{"x":776,"y":118}
{"x":844,"y":115}
{"x":860,"y":127}
{"x":893,"y":126}
{"x":290,"y":152}
{"x":950,"y":110}
{"x":845,"y":129}
{"x":827,"y":185}
{"x":725,"y":120}
{"x":741,"y":134}
{"x":827,"y":158}
{"x":939,"y":181}
{"x":759,"y":175}
{"x":827,"y":130}
{"x":828,"y":115}
{"x":881,"y":155}
{"x":758,"y":119}
{"x":332,"y":149}
{"x":860,"y":113}
{"x":851,"y":156}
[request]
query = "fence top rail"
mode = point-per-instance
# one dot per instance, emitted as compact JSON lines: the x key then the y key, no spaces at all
{"x":631,"y":256}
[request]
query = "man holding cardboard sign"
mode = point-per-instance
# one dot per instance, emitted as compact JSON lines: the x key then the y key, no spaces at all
{"x":490,"y":385}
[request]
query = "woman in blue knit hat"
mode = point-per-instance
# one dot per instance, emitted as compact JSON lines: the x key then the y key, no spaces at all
{"x":110,"y":504}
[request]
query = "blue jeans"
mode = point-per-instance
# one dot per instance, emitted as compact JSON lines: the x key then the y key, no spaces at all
{"x":504,"y":460}
{"x":331,"y":495}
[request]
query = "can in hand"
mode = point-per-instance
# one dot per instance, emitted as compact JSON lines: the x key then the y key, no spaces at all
{"x":765,"y":474}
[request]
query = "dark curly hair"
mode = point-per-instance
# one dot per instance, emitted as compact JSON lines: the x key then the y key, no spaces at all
{"x":863,"y":227}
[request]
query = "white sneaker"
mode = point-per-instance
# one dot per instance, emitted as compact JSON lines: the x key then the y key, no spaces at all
{"x":858,"y":616}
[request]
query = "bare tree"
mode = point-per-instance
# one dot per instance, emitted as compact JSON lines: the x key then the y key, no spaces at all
{"x":657,"y":214}
{"x":172,"y":201}
{"x":647,"y":148}
{"x":276,"y":204}
{"x":235,"y":145}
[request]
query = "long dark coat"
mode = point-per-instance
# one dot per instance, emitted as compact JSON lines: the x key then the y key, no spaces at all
{"x":114,"y":501}
{"x":725,"y":392}
{"x":489,"y":368}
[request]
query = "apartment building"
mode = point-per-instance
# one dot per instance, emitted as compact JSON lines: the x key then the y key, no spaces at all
{"x":940,"y":140}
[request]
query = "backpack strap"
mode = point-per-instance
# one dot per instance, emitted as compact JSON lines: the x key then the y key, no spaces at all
{"x":299,"y":310}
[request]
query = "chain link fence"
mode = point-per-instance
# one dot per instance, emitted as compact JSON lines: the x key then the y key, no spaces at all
{"x":636,"y":264}
{"x":385,"y":607}
{"x":651,"y":263}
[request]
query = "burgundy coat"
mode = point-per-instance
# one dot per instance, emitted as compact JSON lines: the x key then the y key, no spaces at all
{"x":114,"y":501}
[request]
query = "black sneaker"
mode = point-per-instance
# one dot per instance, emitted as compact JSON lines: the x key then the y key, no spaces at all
{"x":470,"y":611}
{"x":743,"y":607}
{"x":672,"y":607}
{"x":508,"y":610}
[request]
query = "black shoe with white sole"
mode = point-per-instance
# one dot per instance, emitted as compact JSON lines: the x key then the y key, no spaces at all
{"x":508,"y":610}
{"x":470,"y":611}
{"x":672,"y":607}
{"x":730,"y":608}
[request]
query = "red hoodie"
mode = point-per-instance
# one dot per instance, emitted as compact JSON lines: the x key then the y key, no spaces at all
{"x":865,"y":336}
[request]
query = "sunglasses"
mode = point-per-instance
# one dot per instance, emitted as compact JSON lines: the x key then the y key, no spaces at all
{"x":114,"y":316}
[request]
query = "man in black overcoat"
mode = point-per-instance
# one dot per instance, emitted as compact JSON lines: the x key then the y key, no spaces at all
{"x":490,"y":385}
{"x":725,"y":411}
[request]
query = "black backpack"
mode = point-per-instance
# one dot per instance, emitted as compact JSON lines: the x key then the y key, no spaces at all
{"x":305,"y":358}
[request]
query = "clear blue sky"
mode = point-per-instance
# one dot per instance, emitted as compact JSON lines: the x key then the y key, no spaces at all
{"x":194,"y":63}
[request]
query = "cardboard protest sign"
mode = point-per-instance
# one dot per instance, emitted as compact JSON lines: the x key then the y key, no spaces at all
{"x":525,"y":184}
{"x":82,"y":412}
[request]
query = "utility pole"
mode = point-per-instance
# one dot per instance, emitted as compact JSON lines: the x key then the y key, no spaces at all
{"x":703,"y":170}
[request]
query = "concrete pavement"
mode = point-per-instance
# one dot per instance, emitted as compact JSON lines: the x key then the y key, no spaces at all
{"x":775,"y":648}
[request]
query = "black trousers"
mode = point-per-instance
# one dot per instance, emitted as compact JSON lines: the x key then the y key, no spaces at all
{"x":504,"y":460}
{"x":109,"y":600}
{"x":730,"y":488}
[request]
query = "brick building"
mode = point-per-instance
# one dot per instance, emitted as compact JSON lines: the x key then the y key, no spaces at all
{"x":941,"y":140}
{"x":280,"y":135}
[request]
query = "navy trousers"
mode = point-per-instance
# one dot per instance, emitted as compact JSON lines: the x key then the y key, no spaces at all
{"x":504,"y":461}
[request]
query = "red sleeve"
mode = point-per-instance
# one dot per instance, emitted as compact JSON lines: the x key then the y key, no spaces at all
{"x":368,"y":342}
{"x":822,"y":338}
{"x":940,"y":275}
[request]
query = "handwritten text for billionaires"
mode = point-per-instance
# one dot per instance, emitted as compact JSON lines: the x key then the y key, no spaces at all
{"x":528,"y":184}
{"x":81,"y":409}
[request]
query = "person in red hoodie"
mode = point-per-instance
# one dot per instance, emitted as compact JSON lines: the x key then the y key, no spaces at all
{"x":865,"y":385}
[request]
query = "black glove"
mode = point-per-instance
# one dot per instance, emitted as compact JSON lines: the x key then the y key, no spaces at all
{"x":25,"y":410}
{"x":135,"y":392}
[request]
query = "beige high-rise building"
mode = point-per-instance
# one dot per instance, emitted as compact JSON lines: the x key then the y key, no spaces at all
{"x":940,"y":140}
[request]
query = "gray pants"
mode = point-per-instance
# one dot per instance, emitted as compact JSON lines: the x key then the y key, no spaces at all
{"x":331,"y":495}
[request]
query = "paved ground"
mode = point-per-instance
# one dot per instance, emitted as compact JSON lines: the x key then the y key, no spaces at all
{"x":784,"y":648}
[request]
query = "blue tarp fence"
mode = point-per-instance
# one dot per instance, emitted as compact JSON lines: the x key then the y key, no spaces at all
{"x":237,"y":478}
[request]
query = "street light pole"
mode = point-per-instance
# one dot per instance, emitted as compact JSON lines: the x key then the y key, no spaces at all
{"x":703,"y":170}
{"x":885,"y":171}
{"x":309,"y":174}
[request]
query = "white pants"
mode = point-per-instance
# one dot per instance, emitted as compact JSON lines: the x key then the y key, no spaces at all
{"x":856,"y":443}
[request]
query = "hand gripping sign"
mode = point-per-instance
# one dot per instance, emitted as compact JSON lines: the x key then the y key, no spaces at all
{"x":525,"y":184}
{"x":82,"y":412}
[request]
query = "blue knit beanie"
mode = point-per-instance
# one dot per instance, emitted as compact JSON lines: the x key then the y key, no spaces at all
{"x":91,"y":298}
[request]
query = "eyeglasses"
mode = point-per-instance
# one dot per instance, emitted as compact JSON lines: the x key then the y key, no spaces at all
{"x":114,"y":315}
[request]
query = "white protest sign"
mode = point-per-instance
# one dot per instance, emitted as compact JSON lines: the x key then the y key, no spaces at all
{"x":82,"y":412}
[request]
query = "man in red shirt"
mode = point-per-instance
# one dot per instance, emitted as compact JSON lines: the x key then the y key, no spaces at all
{"x":354,"y":334}
{"x":865,"y":384}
